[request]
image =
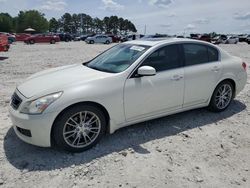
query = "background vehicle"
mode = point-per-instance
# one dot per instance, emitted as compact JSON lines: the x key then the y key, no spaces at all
{"x":115,"y":38}
{"x":205,"y":37}
{"x":11,"y":38}
{"x":74,"y":105}
{"x":232,"y":40}
{"x":194,"y":36}
{"x":4,"y":44}
{"x":65,"y":37}
{"x":22,"y":36}
{"x":248,"y":39}
{"x":242,"y":38}
{"x":42,"y":38}
{"x":224,"y":39}
{"x":99,"y":39}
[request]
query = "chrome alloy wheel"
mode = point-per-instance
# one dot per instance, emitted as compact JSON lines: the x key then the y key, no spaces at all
{"x":81,"y":129}
{"x":223,"y":96}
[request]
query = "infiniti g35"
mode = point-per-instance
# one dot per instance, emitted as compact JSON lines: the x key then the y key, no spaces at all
{"x":73,"y":106}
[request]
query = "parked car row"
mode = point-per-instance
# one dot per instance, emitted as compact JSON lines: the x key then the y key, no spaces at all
{"x":222,"y":39}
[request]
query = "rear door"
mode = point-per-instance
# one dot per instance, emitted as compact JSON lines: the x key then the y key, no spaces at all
{"x":202,"y":72}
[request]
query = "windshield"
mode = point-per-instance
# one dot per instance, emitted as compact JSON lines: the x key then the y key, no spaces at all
{"x":117,"y":58}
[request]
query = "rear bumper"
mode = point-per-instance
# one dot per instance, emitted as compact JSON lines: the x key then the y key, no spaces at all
{"x":241,"y":82}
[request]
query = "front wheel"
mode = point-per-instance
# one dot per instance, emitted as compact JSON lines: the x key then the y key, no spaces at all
{"x":222,"y":97}
{"x":107,"y":42}
{"x":79,"y":128}
{"x":52,"y":41}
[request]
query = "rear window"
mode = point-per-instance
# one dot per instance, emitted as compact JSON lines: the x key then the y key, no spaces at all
{"x":213,"y":54}
{"x":198,"y":54}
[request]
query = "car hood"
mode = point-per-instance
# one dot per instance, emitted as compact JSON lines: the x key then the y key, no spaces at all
{"x":57,"y":79}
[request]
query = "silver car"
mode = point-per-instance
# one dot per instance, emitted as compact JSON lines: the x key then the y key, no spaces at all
{"x":99,"y":39}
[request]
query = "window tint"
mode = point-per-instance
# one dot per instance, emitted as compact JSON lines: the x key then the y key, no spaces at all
{"x":164,"y":58}
{"x":195,"y":54}
{"x":213,"y":54}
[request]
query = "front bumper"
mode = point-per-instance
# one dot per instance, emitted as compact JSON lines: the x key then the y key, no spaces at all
{"x":39,"y":127}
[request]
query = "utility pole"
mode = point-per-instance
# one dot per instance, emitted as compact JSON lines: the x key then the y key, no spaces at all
{"x":145,"y":29}
{"x":81,"y":26}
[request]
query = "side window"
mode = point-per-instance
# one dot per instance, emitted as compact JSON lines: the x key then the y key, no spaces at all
{"x":164,"y":58}
{"x":195,"y":54}
{"x":213,"y":54}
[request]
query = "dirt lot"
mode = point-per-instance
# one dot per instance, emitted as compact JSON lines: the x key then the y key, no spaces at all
{"x":192,"y":149}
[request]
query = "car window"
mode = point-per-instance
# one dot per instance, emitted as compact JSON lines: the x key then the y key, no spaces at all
{"x":195,"y":54}
{"x":213,"y":54}
{"x":164,"y":58}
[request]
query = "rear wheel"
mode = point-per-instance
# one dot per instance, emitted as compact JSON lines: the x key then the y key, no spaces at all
{"x":107,"y":42}
{"x":222,"y":97}
{"x":79,"y":128}
{"x":31,"y":41}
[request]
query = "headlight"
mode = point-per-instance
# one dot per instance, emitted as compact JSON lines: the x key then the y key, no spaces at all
{"x":39,"y":105}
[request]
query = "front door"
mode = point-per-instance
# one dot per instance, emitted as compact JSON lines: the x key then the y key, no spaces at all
{"x":153,"y":95}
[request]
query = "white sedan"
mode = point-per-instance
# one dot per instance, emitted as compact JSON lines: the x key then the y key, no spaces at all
{"x":73,"y":106}
{"x":99,"y":39}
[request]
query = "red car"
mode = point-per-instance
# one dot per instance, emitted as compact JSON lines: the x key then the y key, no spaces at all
{"x":4,"y":44}
{"x":22,"y":36}
{"x":114,"y":38}
{"x":42,"y":38}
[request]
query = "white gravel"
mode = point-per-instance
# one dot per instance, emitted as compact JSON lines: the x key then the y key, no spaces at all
{"x":192,"y":149}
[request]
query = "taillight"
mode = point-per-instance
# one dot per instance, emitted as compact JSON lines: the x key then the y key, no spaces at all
{"x":244,"y":65}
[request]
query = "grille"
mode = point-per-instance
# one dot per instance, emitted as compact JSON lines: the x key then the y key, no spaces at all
{"x":15,"y":101}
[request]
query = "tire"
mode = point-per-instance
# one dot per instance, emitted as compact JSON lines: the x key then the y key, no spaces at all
{"x":52,"y":41}
{"x":66,"y":123}
{"x":215,"y":105}
{"x":31,"y":42}
{"x":107,"y":42}
{"x":91,"y":42}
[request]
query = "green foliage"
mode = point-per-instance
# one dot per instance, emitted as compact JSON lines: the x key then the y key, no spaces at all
{"x":75,"y":23}
{"x":33,"y":19}
{"x":83,"y":23}
{"x":6,"y":22}
{"x":53,"y":25}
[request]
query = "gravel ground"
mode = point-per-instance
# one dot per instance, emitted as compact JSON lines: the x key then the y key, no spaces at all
{"x":192,"y":149}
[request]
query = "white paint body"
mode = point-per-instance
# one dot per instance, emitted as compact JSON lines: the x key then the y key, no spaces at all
{"x":127,"y":100}
{"x":99,"y":39}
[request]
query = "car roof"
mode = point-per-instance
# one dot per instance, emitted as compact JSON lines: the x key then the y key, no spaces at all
{"x":158,"y":41}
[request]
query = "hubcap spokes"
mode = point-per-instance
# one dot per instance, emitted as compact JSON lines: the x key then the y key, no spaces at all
{"x":223,"y":96}
{"x":81,"y":129}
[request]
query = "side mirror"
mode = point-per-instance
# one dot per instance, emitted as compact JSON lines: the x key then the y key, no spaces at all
{"x":146,"y":71}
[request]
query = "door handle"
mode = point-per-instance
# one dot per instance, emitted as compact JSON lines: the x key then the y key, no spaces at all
{"x":215,"y":69}
{"x":176,"y":77}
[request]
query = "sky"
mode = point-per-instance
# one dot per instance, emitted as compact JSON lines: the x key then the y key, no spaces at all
{"x":157,"y":16}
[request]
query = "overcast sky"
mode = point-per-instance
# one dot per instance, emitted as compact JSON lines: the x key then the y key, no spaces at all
{"x":159,"y":16}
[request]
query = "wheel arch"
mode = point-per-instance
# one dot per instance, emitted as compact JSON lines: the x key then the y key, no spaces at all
{"x":231,"y":80}
{"x":103,"y":109}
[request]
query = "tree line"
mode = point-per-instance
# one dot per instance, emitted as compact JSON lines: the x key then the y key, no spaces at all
{"x":68,"y":23}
